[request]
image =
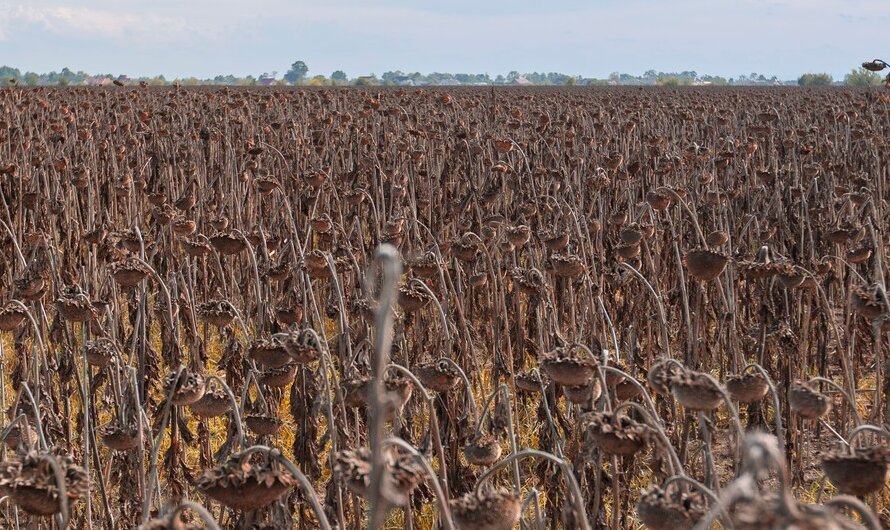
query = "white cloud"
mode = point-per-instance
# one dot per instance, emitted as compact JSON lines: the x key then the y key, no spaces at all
{"x":88,"y":22}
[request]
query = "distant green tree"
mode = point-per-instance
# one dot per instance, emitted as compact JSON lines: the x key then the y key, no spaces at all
{"x":627,"y":79}
{"x":672,"y":80}
{"x":297,"y":72}
{"x":862,"y":77}
{"x":389,"y":78}
{"x":436,"y":78}
{"x":815,"y":80}
{"x":339,"y":77}
{"x":319,"y":80}
{"x":225,"y":80}
{"x":65,"y":75}
{"x":366,"y":80}
{"x":536,"y":78}
{"x":553,"y":78}
{"x":8,"y":73}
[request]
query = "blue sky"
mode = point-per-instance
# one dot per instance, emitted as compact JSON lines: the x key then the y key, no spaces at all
{"x":592,"y":38}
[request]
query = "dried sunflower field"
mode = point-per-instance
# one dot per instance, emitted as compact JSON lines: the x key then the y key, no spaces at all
{"x":470,"y":309}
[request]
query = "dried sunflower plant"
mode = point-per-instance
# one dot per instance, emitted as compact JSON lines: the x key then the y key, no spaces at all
{"x":466,"y":309}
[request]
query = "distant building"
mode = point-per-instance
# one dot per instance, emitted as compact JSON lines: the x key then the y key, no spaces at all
{"x":522,"y":81}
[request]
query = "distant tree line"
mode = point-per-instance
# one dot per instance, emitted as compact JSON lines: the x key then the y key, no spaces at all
{"x":299,"y":74}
